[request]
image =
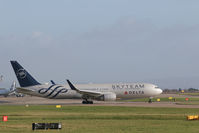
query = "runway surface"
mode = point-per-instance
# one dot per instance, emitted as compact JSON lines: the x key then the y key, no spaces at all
{"x":30,"y":100}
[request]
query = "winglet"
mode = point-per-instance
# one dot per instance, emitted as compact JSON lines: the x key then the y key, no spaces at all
{"x":52,"y":82}
{"x":72,"y":86}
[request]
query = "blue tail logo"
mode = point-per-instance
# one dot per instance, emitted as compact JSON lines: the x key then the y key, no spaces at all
{"x":21,"y":73}
{"x":24,"y":78}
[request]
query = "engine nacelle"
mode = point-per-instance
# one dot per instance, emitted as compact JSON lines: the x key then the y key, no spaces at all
{"x":109,"y":96}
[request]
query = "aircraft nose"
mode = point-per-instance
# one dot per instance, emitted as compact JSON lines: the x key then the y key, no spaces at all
{"x":159,"y":91}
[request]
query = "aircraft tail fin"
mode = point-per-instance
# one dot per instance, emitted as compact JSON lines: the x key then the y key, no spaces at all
{"x":13,"y":86}
{"x":24,"y":78}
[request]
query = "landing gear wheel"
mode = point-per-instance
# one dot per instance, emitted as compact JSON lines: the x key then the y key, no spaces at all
{"x":90,"y":102}
{"x":84,"y":102}
{"x":150,"y":100}
{"x":87,"y":102}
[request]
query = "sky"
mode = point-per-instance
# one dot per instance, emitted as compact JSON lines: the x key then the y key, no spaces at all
{"x":104,"y":41}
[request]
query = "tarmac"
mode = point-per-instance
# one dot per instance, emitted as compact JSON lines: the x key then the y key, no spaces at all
{"x":31,"y":100}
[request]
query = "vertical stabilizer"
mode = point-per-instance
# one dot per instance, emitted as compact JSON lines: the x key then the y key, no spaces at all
{"x":13,"y":87}
{"x":24,"y":78}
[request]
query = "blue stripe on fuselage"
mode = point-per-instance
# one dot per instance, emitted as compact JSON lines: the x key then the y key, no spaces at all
{"x":64,"y":90}
{"x":53,"y":90}
{"x":46,"y":90}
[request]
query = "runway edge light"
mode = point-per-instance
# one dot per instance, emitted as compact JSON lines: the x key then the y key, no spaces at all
{"x":192,"y":117}
{"x":5,"y":118}
{"x":187,"y":99}
{"x":58,"y":106}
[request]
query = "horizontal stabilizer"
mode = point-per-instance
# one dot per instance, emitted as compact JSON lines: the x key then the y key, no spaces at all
{"x":23,"y":90}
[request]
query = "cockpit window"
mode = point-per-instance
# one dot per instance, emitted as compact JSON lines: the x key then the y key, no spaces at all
{"x":157,"y":87}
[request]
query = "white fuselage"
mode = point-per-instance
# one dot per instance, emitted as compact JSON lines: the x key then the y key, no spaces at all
{"x":122,"y":90}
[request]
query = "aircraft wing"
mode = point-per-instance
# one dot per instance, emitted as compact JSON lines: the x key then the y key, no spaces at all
{"x":85,"y":92}
{"x":91,"y":93}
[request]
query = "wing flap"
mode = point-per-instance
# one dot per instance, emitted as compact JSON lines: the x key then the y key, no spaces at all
{"x":92,"y":93}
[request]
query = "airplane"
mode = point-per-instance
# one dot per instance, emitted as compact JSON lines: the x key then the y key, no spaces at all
{"x":6,"y":92}
{"x":86,"y":92}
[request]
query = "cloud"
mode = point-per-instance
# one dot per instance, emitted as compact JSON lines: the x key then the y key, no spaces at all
{"x":128,"y":50}
{"x":37,"y":34}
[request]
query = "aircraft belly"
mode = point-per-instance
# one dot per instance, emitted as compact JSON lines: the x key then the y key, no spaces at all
{"x":68,"y":96}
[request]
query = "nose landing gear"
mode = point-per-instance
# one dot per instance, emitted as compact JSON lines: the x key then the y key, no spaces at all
{"x":150,"y":100}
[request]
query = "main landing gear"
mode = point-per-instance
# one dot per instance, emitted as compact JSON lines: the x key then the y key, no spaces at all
{"x":87,"y":102}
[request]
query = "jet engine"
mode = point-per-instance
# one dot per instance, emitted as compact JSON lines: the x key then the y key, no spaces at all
{"x":107,"y":97}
